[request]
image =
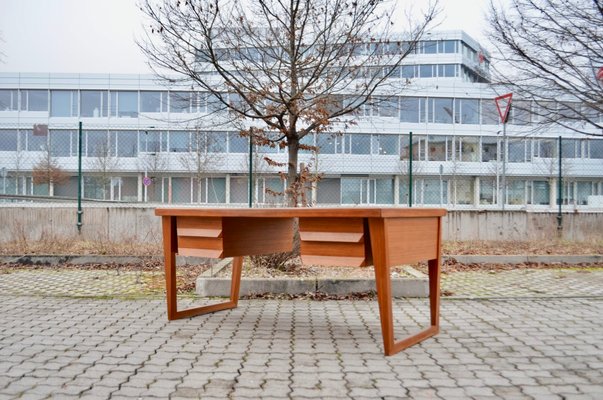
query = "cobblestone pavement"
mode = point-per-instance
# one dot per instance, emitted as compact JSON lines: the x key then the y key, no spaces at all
{"x":525,"y":283}
{"x":53,"y":347}
{"x":82,"y":283}
{"x":111,"y":283}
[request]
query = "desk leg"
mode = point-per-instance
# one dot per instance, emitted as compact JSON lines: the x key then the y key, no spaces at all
{"x":170,"y":246}
{"x":384,"y":293}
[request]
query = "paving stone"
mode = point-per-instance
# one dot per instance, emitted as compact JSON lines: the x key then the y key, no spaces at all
{"x":505,"y":348}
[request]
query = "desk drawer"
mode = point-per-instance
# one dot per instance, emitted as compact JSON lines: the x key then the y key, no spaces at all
{"x":200,"y":237}
{"x":233,"y":236}
{"x":334,"y":241}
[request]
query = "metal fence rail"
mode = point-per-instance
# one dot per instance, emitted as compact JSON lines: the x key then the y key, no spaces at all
{"x":148,"y":165}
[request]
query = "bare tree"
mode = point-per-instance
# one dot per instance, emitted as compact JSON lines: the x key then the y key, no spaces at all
{"x":203,"y":155}
{"x":550,"y":52}
{"x":104,"y":163}
{"x":48,"y":171}
{"x":285,"y":68}
{"x":154,"y":164}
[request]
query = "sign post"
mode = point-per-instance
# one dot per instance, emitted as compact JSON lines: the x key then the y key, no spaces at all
{"x":503,"y":105}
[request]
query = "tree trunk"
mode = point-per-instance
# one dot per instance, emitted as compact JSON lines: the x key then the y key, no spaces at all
{"x":292,"y":175}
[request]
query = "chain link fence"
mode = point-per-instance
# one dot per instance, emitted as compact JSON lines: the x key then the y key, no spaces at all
{"x":163,"y":166}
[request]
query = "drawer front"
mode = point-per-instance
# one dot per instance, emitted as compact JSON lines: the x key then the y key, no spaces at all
{"x":200,"y":236}
{"x":412,"y":239}
{"x":333,"y":241}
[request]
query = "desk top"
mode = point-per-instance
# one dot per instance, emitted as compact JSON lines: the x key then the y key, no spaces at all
{"x":333,"y":212}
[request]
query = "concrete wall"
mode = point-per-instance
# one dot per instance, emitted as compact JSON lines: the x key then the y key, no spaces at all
{"x":137,"y":224}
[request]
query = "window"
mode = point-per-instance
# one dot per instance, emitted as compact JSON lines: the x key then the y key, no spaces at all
{"x":367,"y":191}
{"x":94,"y":103}
{"x":412,"y":109}
{"x":584,"y":189}
{"x":126,"y":143}
{"x":434,"y":191}
{"x":153,"y":102}
{"x":63,"y":103}
{"x":419,"y":147}
{"x":8,"y":140}
{"x":448,"y":46}
{"x":34,"y":100}
{"x":388,"y":107}
{"x":97,"y":144}
{"x":393,"y":72}
{"x":489,"y":112}
{"x":447,"y":70}
{"x":520,"y":113}
{"x":426,"y":71}
{"x":237,"y":143}
{"x":216,"y":190}
{"x":153,"y":141}
{"x":239,"y":191}
{"x":127,"y":104}
{"x":596,"y":149}
{"x":180,"y":102}
{"x":489,"y":148}
{"x":270,"y":190}
{"x":8,"y":100}
{"x":516,"y":192}
{"x":328,"y":191}
{"x":30,"y":141}
{"x":216,"y":142}
{"x":326,"y":143}
{"x":361,"y":144}
{"x":487,"y":191}
{"x":468,"y":148}
{"x":545,"y":148}
{"x":63,"y":143}
{"x":385,"y":144}
{"x":209,"y":190}
{"x":568,"y":148}
{"x":541,"y":192}
{"x":440,"y":110}
{"x":181,"y":190}
{"x":516,"y":149}
{"x":307,"y":140}
{"x":409,"y":71}
{"x":462,"y":190}
{"x":466,"y":111}
{"x":429,"y":47}
{"x":179,"y":141}
{"x":440,"y":148}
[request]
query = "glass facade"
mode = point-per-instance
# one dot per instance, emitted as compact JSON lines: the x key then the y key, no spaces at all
{"x":186,"y":143}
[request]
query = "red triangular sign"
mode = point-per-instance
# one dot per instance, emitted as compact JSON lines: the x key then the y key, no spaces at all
{"x":503,"y":105}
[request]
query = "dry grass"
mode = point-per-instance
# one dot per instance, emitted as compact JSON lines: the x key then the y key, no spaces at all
{"x":49,"y":245}
{"x":52,"y":246}
{"x":540,"y":247}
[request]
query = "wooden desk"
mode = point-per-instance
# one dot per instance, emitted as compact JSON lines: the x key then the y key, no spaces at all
{"x":382,"y":237}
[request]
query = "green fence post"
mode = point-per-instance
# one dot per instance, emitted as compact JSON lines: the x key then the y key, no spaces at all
{"x":79,"y":179}
{"x":410,"y":172}
{"x":250,"y":171}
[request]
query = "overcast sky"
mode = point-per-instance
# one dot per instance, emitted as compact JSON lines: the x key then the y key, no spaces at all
{"x":97,"y":36}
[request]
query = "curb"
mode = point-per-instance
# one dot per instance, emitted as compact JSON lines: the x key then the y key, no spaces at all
{"x":94,"y":259}
{"x":220,"y":287}
{"x":519,"y":259}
